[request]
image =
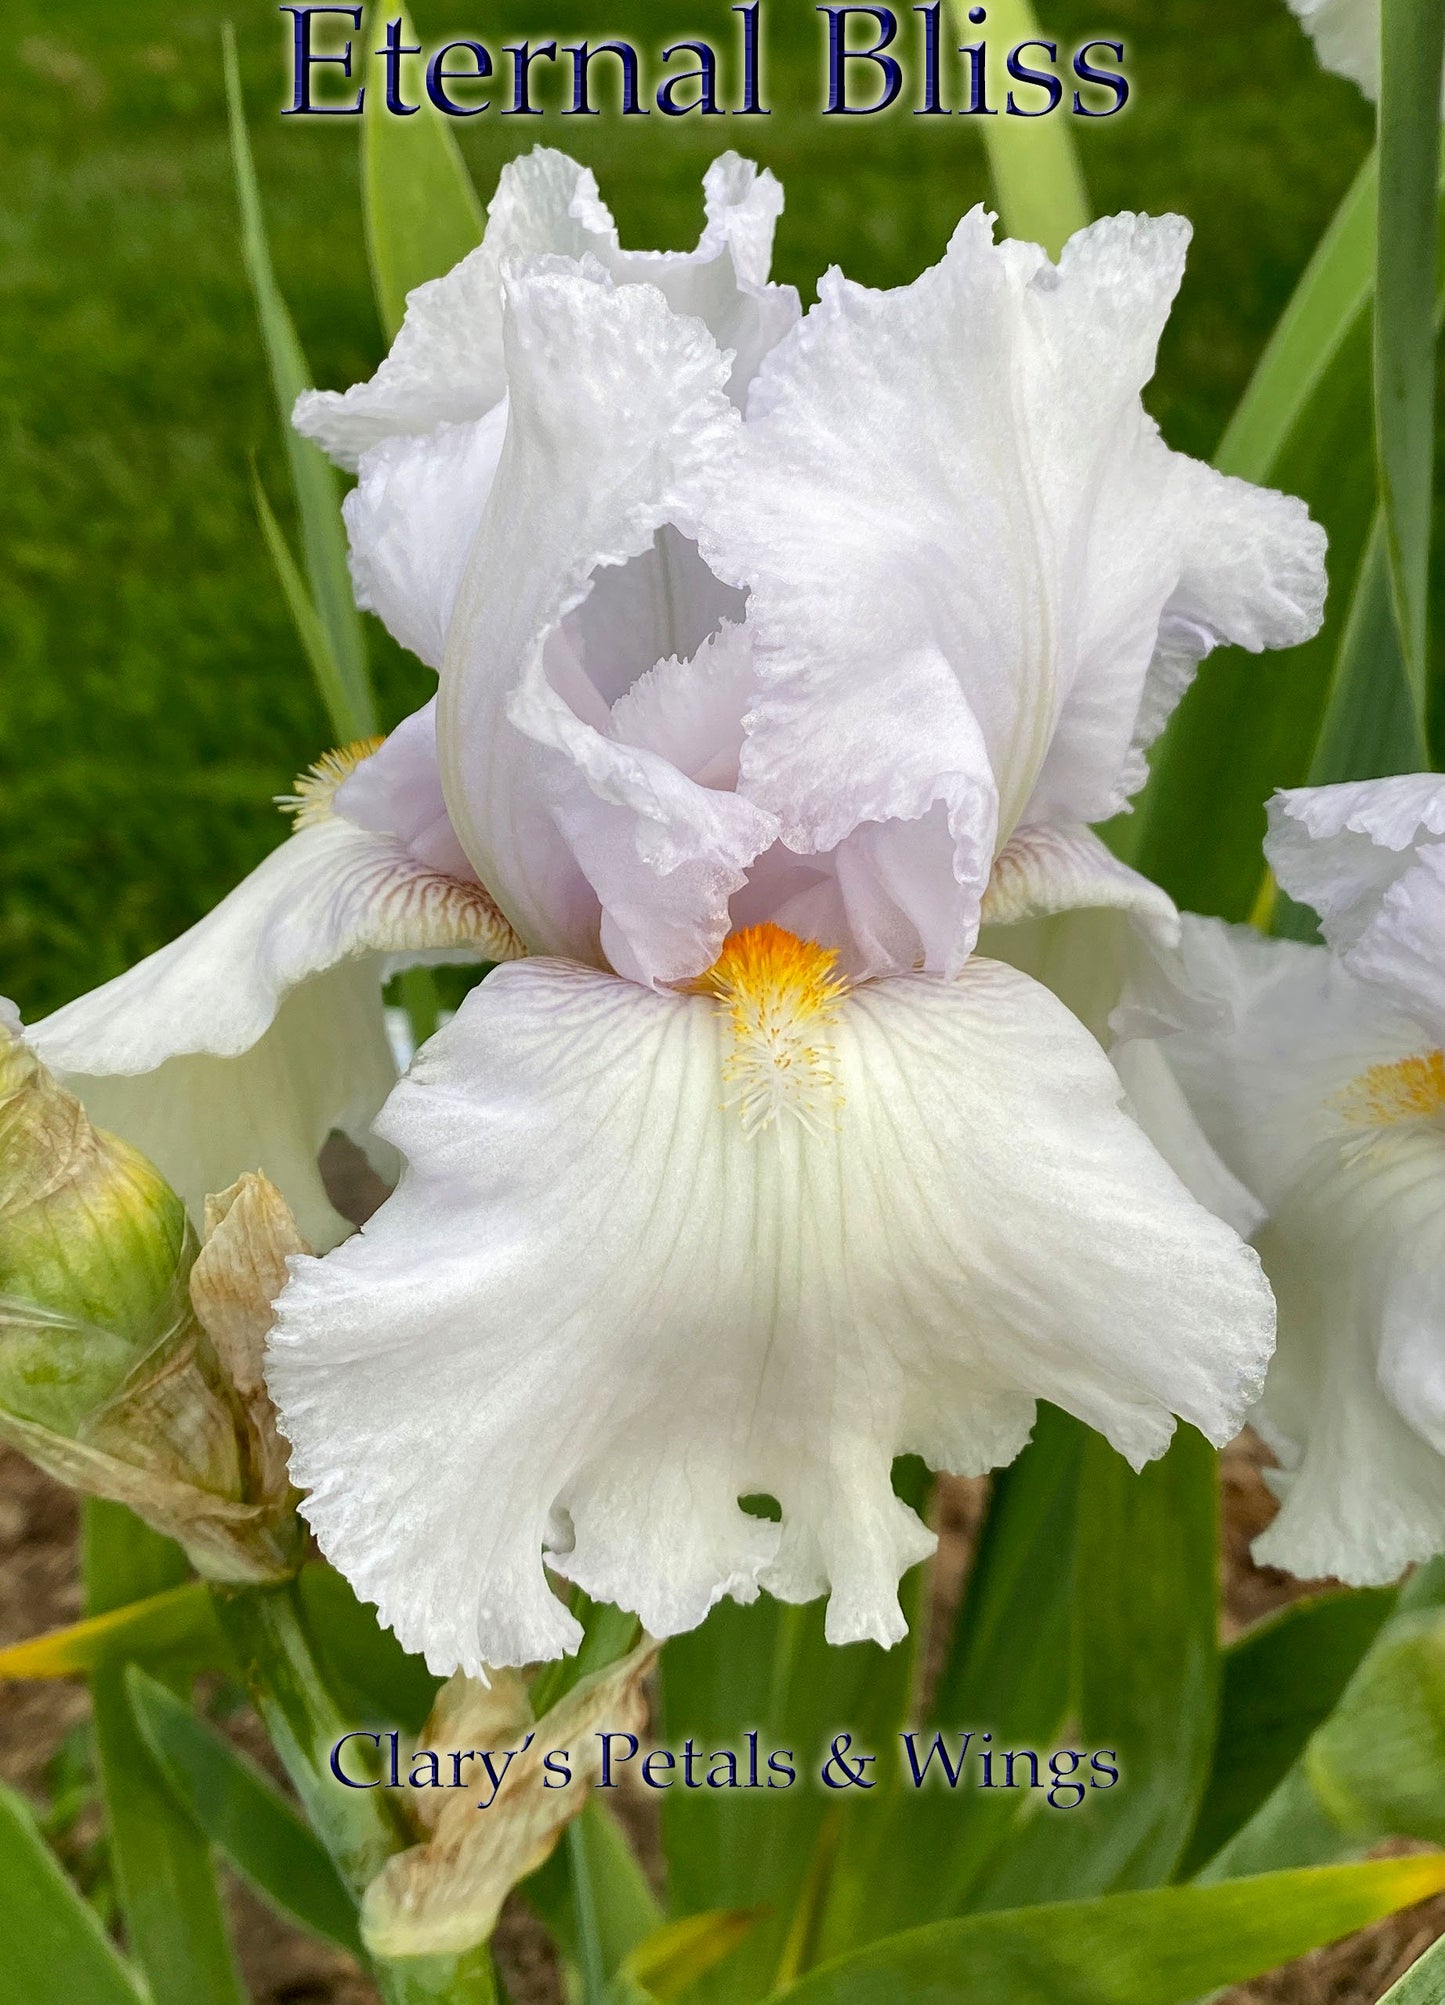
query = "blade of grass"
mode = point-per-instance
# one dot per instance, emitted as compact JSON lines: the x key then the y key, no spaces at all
{"x":584,"y":1908}
{"x":164,"y":1872}
{"x":912,"y":1856}
{"x":608,"y":1633}
{"x":1375,"y":714}
{"x":1412,"y":52}
{"x":1010,"y":1668}
{"x":417,"y":990}
{"x":1348,"y":1758}
{"x":1248,"y":727}
{"x":628,"y":1912}
{"x":346,"y":692}
{"x":360,"y":1828}
{"x":1371,"y":725}
{"x":994,"y":1669}
{"x":1377,"y":1764}
{"x":768,"y":1667}
{"x":422,"y":213}
{"x":310,"y":630}
{"x":374,"y":1680}
{"x":1245,"y":727}
{"x":671,"y":1960}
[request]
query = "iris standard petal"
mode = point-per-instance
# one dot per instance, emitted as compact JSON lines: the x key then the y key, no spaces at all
{"x":1252,"y":576}
{"x":724,"y":282}
{"x":446,"y":364}
{"x":620,"y":1288}
{"x":1339,"y":849}
{"x":1346,"y":35}
{"x":584,"y":579}
{"x":410,"y":521}
{"x":968,"y":550}
{"x":1369,"y":856}
{"x":425,"y":432}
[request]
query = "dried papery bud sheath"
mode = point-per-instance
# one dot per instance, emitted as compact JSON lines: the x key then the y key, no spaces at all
{"x":239,"y":1272}
{"x":444,"y":1896}
{"x":108,"y":1378}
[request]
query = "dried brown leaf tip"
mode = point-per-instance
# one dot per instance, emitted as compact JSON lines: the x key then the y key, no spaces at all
{"x":239,"y":1272}
{"x":445,"y":1895}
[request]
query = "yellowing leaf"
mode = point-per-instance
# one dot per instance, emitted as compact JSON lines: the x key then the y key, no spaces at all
{"x":177,"y":1626}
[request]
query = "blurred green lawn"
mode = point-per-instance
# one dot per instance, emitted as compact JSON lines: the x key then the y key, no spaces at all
{"x":152,"y":697}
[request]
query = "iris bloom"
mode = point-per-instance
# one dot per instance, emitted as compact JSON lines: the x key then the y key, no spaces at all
{"x":241,"y":1045}
{"x":1317,"y":1074}
{"x":754,"y":1175}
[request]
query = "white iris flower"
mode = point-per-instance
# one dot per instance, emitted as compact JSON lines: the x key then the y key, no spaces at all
{"x":754,"y":1175}
{"x":1317,"y":1074}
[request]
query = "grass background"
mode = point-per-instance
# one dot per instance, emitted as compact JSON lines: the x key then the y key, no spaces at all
{"x":152,"y":695}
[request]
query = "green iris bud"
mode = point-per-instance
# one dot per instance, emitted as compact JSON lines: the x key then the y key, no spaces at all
{"x":95,"y":1248}
{"x":110,"y":1377}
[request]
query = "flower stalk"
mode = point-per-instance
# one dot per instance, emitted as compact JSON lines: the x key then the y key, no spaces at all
{"x":361,"y":1828}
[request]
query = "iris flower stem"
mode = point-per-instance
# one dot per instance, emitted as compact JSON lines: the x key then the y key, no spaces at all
{"x":361,"y":1828}
{"x":439,"y":1980}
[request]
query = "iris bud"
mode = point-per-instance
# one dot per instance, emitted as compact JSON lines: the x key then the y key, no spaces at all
{"x":109,"y":1376}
